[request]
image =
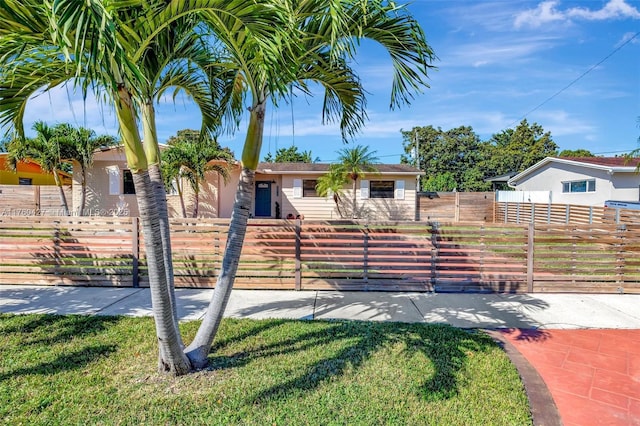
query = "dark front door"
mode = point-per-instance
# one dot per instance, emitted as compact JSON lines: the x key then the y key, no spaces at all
{"x":263,"y":199}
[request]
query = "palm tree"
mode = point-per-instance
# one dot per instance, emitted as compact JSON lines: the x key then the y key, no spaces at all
{"x":332,"y":185}
{"x":107,"y":52}
{"x":353,"y":164}
{"x":82,"y":144}
{"x":48,"y":149}
{"x":321,"y":38}
{"x":191,"y":159}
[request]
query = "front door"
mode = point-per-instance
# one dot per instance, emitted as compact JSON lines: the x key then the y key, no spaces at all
{"x":263,"y":199}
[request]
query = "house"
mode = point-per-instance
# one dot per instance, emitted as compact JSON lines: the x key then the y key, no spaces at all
{"x":28,"y":173}
{"x":389,"y":194}
{"x":281,"y":190}
{"x":588,"y":181}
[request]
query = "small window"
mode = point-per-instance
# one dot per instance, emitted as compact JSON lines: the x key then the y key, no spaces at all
{"x":381,"y":189}
{"x":579,"y":186}
{"x":127,"y":182}
{"x":309,"y":188}
{"x":24,"y":181}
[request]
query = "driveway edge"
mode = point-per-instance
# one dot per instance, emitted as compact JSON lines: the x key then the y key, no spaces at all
{"x":544,"y":411}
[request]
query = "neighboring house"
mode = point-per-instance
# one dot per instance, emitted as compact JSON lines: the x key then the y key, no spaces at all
{"x":28,"y":173}
{"x":588,"y":181}
{"x":284,"y":188}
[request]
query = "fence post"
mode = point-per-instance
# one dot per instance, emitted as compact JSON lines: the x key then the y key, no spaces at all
{"x":457,"y":208}
{"x":533,"y":212}
{"x":434,"y":254}
{"x":620,"y":257}
{"x":298,"y":275}
{"x":365,"y":263}
{"x":530,"y":240}
{"x":567,"y":219}
{"x":135,"y":248}
{"x":36,"y":200}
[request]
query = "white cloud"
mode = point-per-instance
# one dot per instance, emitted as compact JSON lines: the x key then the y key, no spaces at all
{"x":628,"y":36}
{"x":614,"y":9}
{"x":547,"y":11}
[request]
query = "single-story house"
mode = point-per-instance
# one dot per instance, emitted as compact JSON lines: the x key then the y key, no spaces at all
{"x":281,"y":190}
{"x":588,"y":181}
{"x":28,"y":173}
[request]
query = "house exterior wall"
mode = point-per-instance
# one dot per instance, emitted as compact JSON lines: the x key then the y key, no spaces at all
{"x":103,"y":197}
{"x":27,"y":170}
{"x":550,"y":177}
{"x":321,"y":208}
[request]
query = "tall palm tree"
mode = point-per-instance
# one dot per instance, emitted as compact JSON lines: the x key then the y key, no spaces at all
{"x":353,"y":164}
{"x":321,"y":38}
{"x":49,"y":149}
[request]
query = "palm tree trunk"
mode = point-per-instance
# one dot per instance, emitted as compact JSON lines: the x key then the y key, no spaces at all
{"x":160,"y":195}
{"x":83,"y":192}
{"x":354,"y":206}
{"x":172,"y":358}
{"x":196,"y":202}
{"x":63,"y":197}
{"x":198,"y":350}
{"x":181,"y":196}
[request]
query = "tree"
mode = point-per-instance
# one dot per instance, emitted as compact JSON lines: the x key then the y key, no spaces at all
{"x":451,"y":159}
{"x":514,"y":150}
{"x":82,"y":144}
{"x":49,"y":149}
{"x":41,"y":48}
{"x":575,"y":153}
{"x":290,"y":155}
{"x":354,"y":164}
{"x":189,"y":157}
{"x":319,"y":40}
{"x":332,"y":184}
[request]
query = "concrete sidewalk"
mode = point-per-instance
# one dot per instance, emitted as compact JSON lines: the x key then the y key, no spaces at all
{"x":527,"y":311}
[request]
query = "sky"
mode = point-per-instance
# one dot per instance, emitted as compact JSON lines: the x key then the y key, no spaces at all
{"x":571,"y":66}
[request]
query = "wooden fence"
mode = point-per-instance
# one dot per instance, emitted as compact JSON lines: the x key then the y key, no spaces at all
{"x":456,"y":206}
{"x":281,"y":254}
{"x":563,"y":214}
{"x":33,"y":200}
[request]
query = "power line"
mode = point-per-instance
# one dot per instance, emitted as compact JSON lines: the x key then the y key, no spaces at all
{"x":576,"y":80}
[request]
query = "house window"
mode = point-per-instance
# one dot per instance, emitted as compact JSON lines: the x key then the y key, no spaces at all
{"x":579,"y":186}
{"x":24,"y":181}
{"x":381,"y":189}
{"x":127,"y":182}
{"x":309,"y":188}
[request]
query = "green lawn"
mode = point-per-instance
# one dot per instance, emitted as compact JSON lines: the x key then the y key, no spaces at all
{"x":102,"y":370}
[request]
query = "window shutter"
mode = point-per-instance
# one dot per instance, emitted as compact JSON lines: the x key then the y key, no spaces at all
{"x":297,"y":188}
{"x":114,"y":180}
{"x":364,"y":189}
{"x":399,"y":191}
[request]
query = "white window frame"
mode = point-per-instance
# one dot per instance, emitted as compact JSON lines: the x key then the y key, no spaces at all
{"x":590,"y":186}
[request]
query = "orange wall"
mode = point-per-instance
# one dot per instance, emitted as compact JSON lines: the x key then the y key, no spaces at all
{"x":28,"y":170}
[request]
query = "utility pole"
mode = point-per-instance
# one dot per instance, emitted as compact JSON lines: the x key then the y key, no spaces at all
{"x":416,"y":142}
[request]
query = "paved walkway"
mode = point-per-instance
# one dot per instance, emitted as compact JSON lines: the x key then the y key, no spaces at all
{"x":586,"y":348}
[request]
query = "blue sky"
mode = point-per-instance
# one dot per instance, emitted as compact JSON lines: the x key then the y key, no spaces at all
{"x":571,"y":66}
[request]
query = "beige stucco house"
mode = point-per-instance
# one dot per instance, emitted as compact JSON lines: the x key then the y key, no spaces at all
{"x":588,"y":181}
{"x":282,"y":190}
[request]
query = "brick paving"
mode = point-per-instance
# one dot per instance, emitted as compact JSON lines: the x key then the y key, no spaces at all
{"x":592,"y":375}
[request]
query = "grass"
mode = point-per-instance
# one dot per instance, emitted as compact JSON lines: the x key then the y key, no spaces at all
{"x":102,"y":370}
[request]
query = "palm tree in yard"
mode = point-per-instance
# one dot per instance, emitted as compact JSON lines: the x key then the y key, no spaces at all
{"x":353,"y":164}
{"x":82,"y":144}
{"x":332,"y":185}
{"x":268,"y":47}
{"x":321,"y":39}
{"x":190,"y":159}
{"x":48,"y":149}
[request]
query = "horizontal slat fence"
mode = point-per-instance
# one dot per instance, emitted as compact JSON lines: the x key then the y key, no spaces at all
{"x":507,"y":212}
{"x":68,"y":250}
{"x":33,"y":200}
{"x":456,"y":206}
{"x":348,"y":255}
